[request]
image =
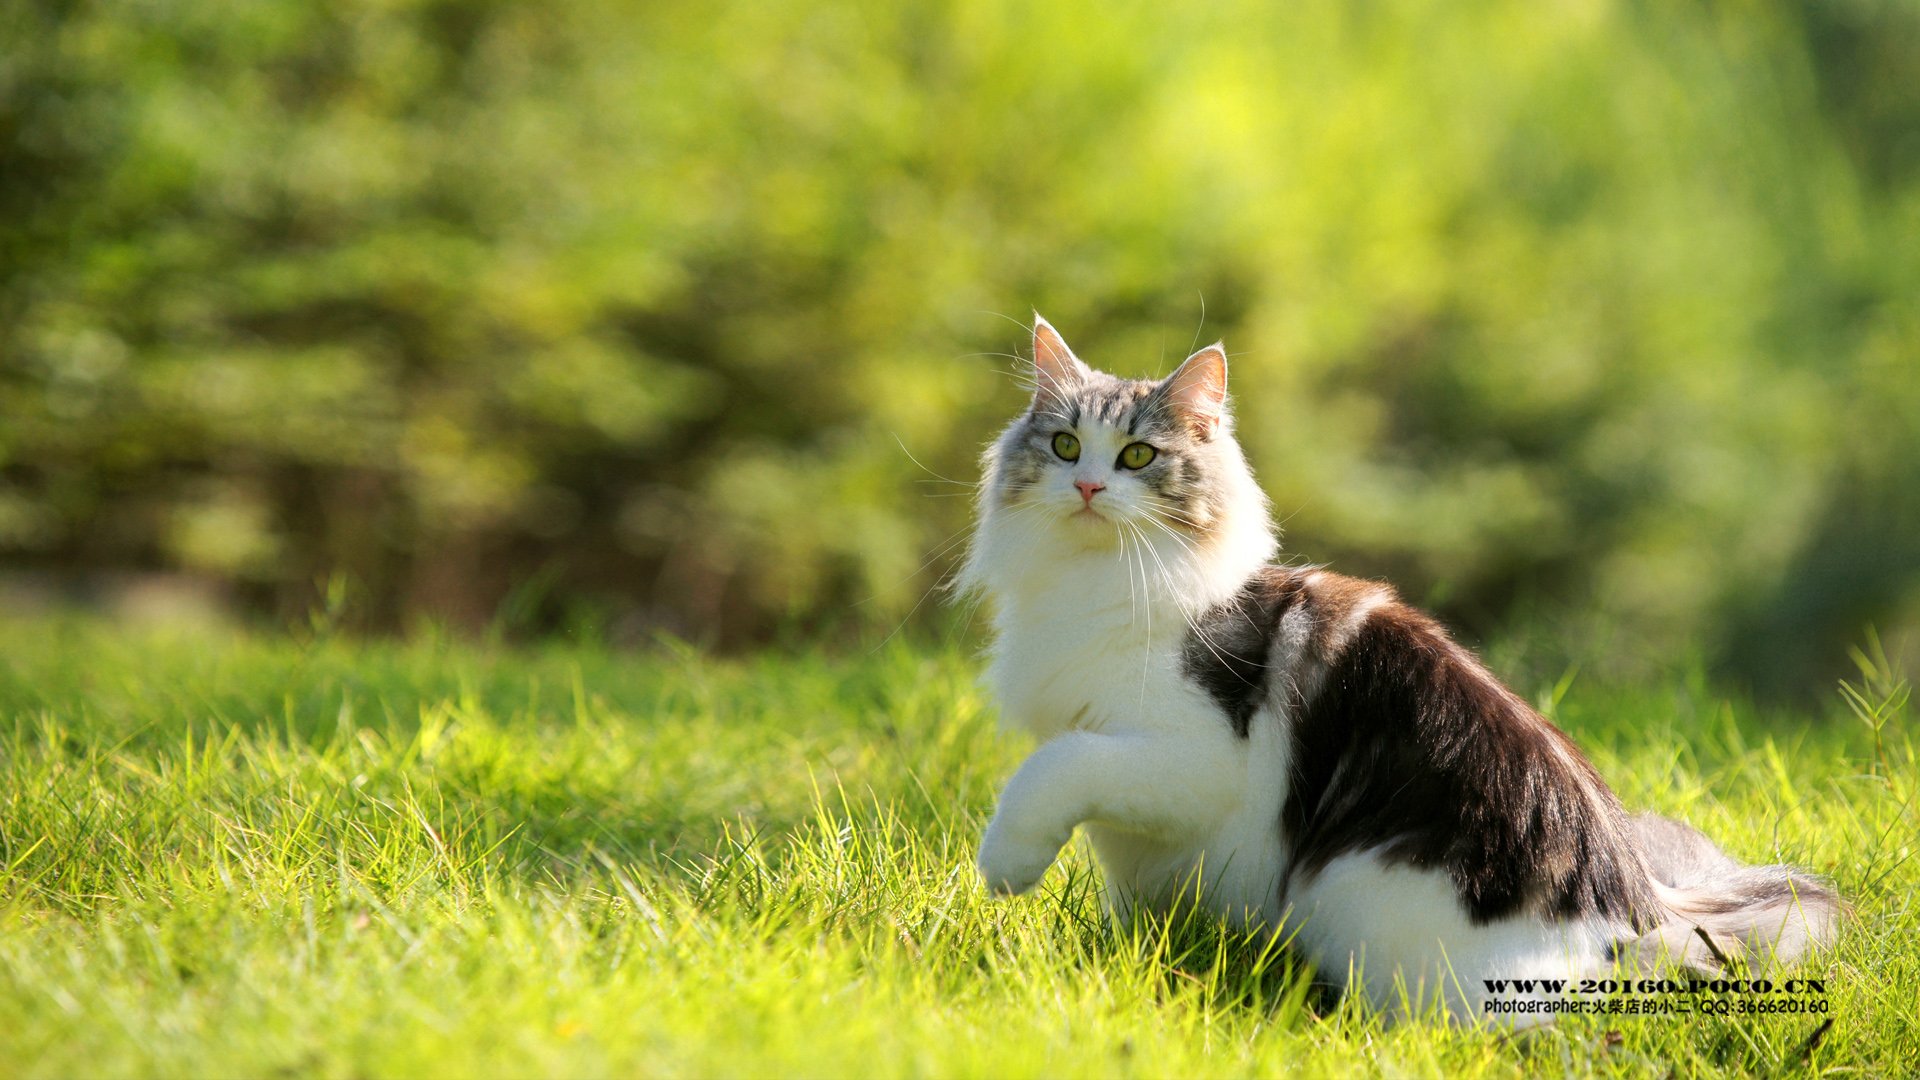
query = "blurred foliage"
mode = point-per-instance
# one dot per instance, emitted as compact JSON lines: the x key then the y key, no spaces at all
{"x":1599,"y":315}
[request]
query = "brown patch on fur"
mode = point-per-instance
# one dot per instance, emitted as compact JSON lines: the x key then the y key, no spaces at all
{"x":1411,"y":748}
{"x":1405,"y":745}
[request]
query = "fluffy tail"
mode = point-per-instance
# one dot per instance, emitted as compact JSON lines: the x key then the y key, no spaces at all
{"x":1720,"y":912}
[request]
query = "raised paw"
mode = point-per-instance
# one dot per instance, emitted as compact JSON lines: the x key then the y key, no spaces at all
{"x":1012,"y":865}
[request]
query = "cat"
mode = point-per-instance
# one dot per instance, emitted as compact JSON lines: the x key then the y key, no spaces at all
{"x":1303,"y":751}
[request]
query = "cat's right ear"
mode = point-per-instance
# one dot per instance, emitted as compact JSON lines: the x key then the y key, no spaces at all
{"x":1056,"y":371}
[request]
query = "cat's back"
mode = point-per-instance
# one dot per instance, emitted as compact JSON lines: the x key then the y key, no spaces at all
{"x":1401,"y":742}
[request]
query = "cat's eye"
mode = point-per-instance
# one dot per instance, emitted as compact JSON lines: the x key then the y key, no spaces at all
{"x":1066,"y":446}
{"x":1136,"y":455}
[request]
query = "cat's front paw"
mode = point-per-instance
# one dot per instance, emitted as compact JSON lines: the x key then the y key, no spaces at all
{"x":1012,"y":865}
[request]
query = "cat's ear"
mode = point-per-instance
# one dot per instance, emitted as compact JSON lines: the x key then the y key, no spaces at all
{"x":1056,"y":371}
{"x":1198,"y":390}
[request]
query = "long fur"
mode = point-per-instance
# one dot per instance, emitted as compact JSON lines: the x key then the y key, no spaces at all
{"x":1303,"y":750}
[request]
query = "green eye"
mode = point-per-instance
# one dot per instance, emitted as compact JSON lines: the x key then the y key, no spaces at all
{"x":1066,"y":446}
{"x":1136,"y":455}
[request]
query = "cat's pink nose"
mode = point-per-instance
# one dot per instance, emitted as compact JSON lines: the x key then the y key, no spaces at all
{"x":1088,"y":488}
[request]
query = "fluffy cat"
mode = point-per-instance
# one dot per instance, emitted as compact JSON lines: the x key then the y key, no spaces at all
{"x":1302,"y":750}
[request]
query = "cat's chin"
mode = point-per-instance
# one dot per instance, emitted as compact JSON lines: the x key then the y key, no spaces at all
{"x":1083,"y":530}
{"x":1093,"y":527}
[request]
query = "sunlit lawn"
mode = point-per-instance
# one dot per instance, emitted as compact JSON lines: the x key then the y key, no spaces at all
{"x":230,"y":855}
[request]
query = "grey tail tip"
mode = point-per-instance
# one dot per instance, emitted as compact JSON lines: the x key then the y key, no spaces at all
{"x":1719,"y":914}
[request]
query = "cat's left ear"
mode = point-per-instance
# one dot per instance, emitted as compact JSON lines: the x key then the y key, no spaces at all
{"x":1198,"y":390}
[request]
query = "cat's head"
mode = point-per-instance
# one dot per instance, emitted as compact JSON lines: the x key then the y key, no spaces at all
{"x":1099,"y":462}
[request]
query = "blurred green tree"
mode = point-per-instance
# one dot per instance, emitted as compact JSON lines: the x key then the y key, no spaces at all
{"x":1598,"y":314}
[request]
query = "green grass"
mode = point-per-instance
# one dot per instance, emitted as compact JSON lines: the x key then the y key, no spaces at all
{"x":231,"y":855}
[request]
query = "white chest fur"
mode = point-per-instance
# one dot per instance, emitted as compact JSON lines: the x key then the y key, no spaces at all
{"x":1092,"y":645}
{"x":1171,"y":797}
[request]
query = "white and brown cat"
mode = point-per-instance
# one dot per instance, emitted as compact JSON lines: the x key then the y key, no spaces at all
{"x":1302,"y":750}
